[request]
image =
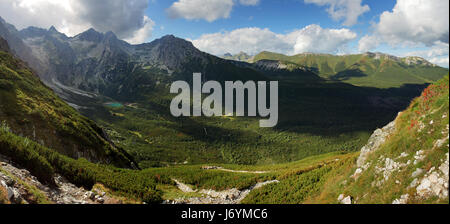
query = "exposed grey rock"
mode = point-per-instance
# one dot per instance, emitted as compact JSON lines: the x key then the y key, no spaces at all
{"x":435,"y":182}
{"x":230,"y":196}
{"x":347,"y":200}
{"x":375,"y":141}
{"x":402,"y":200}
{"x":417,"y":172}
{"x":64,"y":193}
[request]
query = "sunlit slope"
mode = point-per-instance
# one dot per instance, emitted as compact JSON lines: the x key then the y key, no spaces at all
{"x":405,"y":162}
{"x":369,"y":69}
{"x":33,"y":110}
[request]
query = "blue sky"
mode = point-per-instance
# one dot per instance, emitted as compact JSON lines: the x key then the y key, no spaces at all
{"x":280,"y":16}
{"x":287,"y":16}
{"x":398,"y":27}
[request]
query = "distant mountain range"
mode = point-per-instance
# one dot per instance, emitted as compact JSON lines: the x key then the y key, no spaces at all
{"x":328,"y":108}
{"x":242,"y":56}
{"x":369,"y":69}
{"x":100,"y":63}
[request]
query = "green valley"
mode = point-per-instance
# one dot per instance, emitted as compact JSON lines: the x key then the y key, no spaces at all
{"x":89,"y":116}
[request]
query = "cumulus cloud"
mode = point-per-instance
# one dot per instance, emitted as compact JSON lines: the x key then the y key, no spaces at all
{"x":125,"y":18}
{"x":312,"y":38}
{"x":140,"y":35}
{"x":209,"y":10}
{"x":415,"y":21}
{"x":347,"y":10}
{"x":249,"y":2}
{"x":411,"y":23}
{"x":368,"y":43}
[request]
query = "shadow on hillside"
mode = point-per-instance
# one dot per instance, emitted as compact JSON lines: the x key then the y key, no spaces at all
{"x":337,"y":108}
{"x":348,"y":74}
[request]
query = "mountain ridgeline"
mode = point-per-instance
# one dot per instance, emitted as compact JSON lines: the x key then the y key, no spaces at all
{"x":327,"y":103}
{"x":33,"y":110}
{"x":101,"y":63}
{"x":329,"y":107}
{"x":368,"y":69}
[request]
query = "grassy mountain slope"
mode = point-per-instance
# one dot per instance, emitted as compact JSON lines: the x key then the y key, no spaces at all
{"x":44,"y":163}
{"x":409,"y":165}
{"x":370,"y":69}
{"x":33,"y":110}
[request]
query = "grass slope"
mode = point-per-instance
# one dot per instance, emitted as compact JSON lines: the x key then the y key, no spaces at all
{"x":33,"y":110}
{"x":382,"y":71}
{"x":420,"y":127}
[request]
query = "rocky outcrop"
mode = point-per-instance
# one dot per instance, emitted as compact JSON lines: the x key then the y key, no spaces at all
{"x":375,"y":141}
{"x":22,"y":188}
{"x":435,"y":182}
{"x":231,"y":196}
{"x":345,"y":200}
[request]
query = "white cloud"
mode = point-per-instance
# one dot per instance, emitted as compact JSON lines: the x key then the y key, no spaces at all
{"x":441,"y":61}
{"x":249,"y":2}
{"x":312,"y":38}
{"x":125,"y":18}
{"x":209,"y":10}
{"x":412,"y":24}
{"x":142,"y":34}
{"x":368,"y":43}
{"x":347,"y":10}
{"x":415,"y":21}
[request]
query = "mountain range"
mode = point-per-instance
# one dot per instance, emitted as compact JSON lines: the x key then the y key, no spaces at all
{"x":320,"y":94}
{"x":101,"y":63}
{"x":95,"y":110}
{"x":367,"y":69}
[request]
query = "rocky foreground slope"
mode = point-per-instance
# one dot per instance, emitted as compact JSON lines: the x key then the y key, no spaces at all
{"x":408,"y":160}
{"x":19,"y":186}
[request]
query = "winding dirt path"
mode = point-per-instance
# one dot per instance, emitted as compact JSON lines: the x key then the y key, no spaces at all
{"x":233,"y":171}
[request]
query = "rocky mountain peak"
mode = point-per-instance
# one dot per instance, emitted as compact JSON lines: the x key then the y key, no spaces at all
{"x":170,"y":51}
{"x":32,"y":31}
{"x":90,"y":35}
{"x":53,"y":29}
{"x":378,"y":56}
{"x":414,"y":60}
{"x":172,"y":41}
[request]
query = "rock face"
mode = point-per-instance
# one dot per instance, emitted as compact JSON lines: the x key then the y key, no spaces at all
{"x":100,"y":63}
{"x":435,"y":182}
{"x":230,"y":196}
{"x":375,"y":141}
{"x":345,"y":200}
{"x":63,"y":193}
